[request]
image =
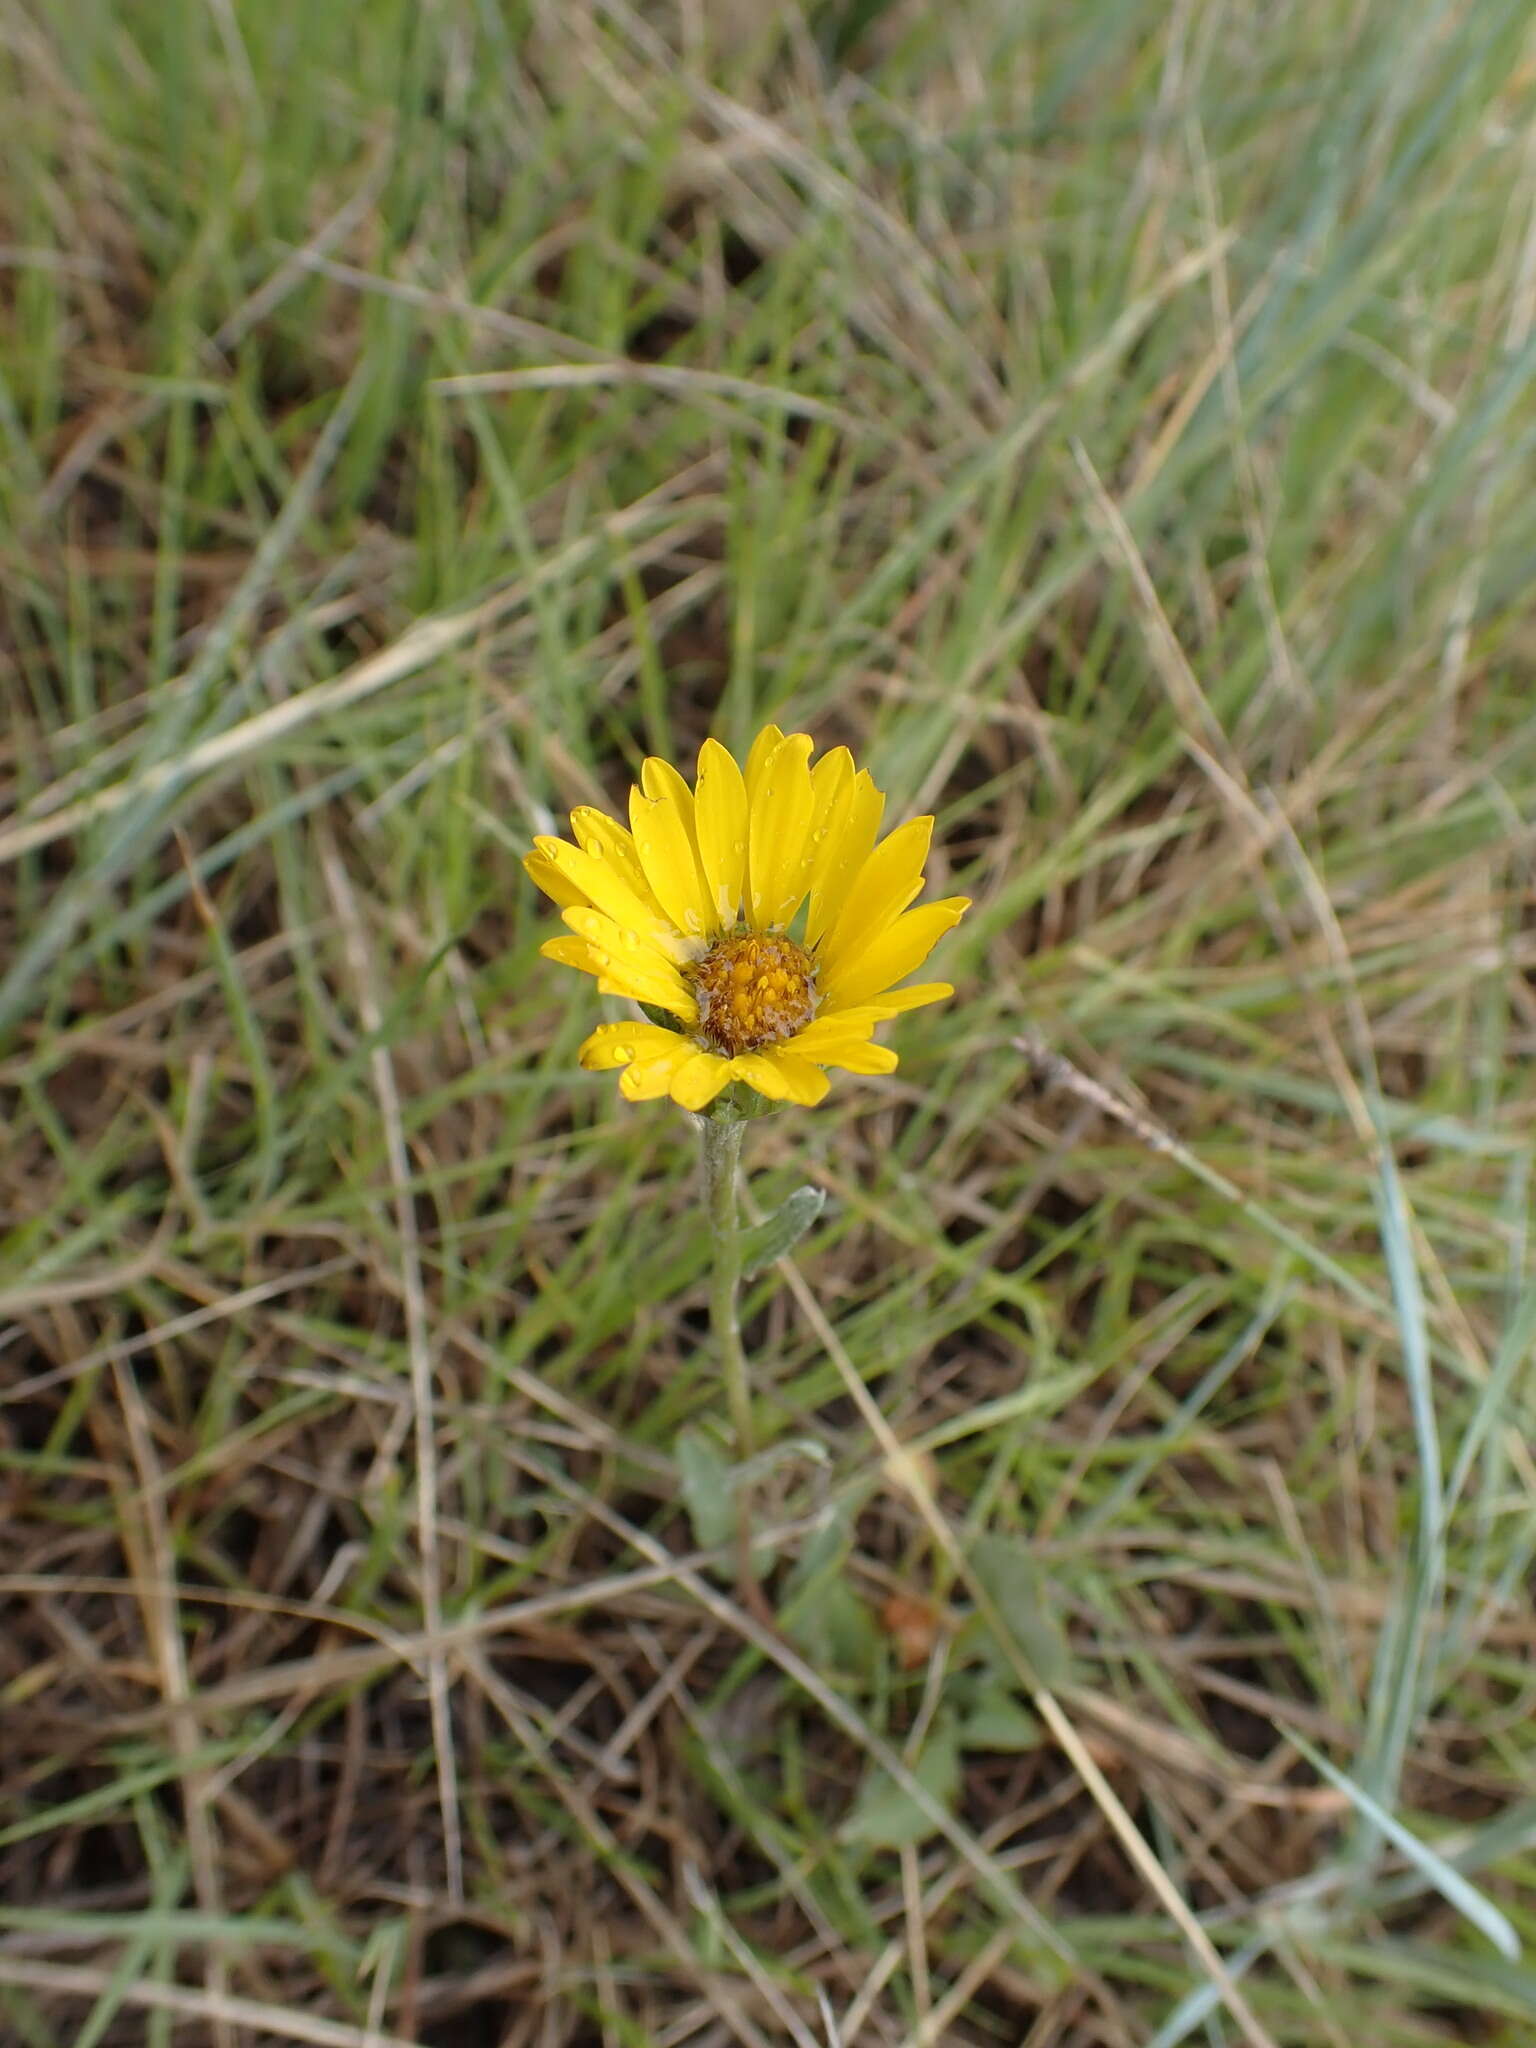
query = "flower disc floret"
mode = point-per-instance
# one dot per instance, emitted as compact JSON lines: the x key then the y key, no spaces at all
{"x":752,"y":991}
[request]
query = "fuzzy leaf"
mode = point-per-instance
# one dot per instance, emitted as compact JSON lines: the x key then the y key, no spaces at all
{"x":707,"y":1481}
{"x":831,"y":1627}
{"x":885,"y":1816}
{"x":1024,"y":1599}
{"x":783,"y":1230}
{"x":997,"y":1720}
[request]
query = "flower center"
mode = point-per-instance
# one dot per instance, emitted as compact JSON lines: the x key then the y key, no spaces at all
{"x":752,"y":991}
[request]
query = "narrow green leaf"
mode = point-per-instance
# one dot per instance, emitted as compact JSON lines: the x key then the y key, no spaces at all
{"x":1449,"y":1883}
{"x":1409,"y":1646}
{"x":1196,"y":2007}
{"x":1481,"y":1983}
{"x":106,"y":1798}
{"x":1492,"y":1405}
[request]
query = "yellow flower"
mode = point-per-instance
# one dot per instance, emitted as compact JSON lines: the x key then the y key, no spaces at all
{"x":696,"y":910}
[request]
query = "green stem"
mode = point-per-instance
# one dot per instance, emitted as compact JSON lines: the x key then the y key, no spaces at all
{"x":722,"y":1159}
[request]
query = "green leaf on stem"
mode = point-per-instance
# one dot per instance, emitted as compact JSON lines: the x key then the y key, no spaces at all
{"x":834,"y":1631}
{"x":707,"y":1482}
{"x":885,"y":1816}
{"x":782,"y":1231}
{"x":997,"y":1719}
{"x":818,"y":1609}
{"x":1026,"y":1605}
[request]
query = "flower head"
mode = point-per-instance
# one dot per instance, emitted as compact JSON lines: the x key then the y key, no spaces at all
{"x":758,"y":910}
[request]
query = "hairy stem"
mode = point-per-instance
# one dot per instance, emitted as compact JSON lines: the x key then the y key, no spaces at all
{"x":722,"y":1159}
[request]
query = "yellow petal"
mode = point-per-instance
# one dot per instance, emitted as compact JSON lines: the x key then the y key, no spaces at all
{"x":572,"y":952}
{"x":837,"y":1027}
{"x":627,"y":966}
{"x":697,"y":1081}
{"x":781,"y":1075}
{"x":664,"y":841}
{"x":605,"y":839}
{"x":659,"y":778}
{"x":720,"y":821}
{"x":607,"y":891}
{"x":841,"y":1038}
{"x":543,"y":874}
{"x":858,"y":1056}
{"x":779,"y":839}
{"x":615,"y":1045}
{"x":896,"y":951}
{"x":831,"y":797}
{"x":757,"y":759}
{"x":831,"y":782}
{"x":615,"y":945}
{"x":850,"y":840}
{"x":919,"y":993}
{"x":634,"y":990}
{"x":646,"y":1080}
{"x":879,"y":892}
